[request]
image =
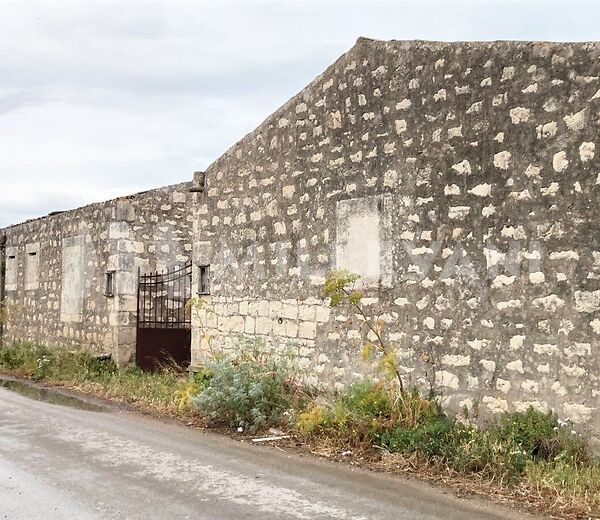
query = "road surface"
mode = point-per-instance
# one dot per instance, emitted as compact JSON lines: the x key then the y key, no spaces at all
{"x":62,"y":462}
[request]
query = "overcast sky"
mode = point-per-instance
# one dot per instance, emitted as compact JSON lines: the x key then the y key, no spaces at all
{"x":100,"y":99}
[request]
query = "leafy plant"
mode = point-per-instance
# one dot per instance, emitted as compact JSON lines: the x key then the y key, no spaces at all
{"x":21,"y":356}
{"x":435,"y":438}
{"x":503,"y":451}
{"x":363,"y":406}
{"x":361,"y":414}
{"x":340,"y":289}
{"x":248,"y":391}
{"x":367,"y":399}
{"x":539,"y":436}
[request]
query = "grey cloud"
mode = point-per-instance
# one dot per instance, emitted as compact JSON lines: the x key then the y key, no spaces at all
{"x":16,"y":100}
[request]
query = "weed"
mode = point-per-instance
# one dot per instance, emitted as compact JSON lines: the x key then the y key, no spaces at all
{"x":539,"y":435}
{"x":248,"y":391}
{"x":340,"y":289}
{"x":81,"y":369}
{"x":567,"y":481}
{"x":196,"y":385}
{"x":503,"y":451}
{"x":364,"y":412}
{"x":435,"y":438}
{"x":21,"y":356}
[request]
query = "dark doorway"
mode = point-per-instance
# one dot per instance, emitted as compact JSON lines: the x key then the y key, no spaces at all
{"x":163,"y":321}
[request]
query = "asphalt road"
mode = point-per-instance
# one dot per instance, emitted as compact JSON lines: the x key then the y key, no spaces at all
{"x":61,"y":462}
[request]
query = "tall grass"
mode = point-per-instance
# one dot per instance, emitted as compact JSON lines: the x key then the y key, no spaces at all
{"x":162,"y":389}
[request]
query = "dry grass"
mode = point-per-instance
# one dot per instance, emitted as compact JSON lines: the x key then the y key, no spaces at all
{"x":543,"y":497}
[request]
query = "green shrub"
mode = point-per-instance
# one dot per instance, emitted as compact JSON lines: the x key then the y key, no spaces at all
{"x":438,"y":437}
{"x":503,"y":451}
{"x":538,"y":435}
{"x":22,"y":356}
{"x":366,"y":399}
{"x":248,"y":391}
{"x":313,"y":419}
{"x":362,"y":407}
{"x":366,"y":412}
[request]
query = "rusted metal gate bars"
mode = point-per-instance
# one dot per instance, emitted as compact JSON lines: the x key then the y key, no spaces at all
{"x":162,"y":298}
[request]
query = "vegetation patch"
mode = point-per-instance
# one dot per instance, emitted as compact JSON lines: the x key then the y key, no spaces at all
{"x":248,"y":391}
{"x":160,"y":390}
{"x":529,"y":456}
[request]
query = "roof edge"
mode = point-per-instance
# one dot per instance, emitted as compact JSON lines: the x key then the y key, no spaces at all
{"x":92,"y":204}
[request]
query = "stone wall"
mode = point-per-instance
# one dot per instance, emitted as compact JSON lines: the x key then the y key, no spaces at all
{"x":55,"y":280}
{"x":461,"y":181}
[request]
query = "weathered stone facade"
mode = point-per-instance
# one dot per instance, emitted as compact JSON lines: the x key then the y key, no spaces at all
{"x":461,"y":181}
{"x":56,"y":268}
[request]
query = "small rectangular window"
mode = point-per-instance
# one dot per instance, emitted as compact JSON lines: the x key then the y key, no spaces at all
{"x":203,"y":279}
{"x":109,"y":287}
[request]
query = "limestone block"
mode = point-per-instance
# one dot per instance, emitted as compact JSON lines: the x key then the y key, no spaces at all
{"x":263,"y":308}
{"x":118,"y":230}
{"x":446,"y":379}
{"x":291,"y":329}
{"x":307,"y":330}
{"x":275,"y":308}
{"x":456,"y":360}
{"x":587,"y":301}
{"x":578,"y":413}
{"x":237,"y":324}
{"x":488,"y":365}
{"x":264,"y":325}
{"x":289,"y":311}
{"x":322,"y":313}
{"x":249,"y":325}
{"x":503,"y":385}
{"x":494,"y":404}
{"x":307,"y":312}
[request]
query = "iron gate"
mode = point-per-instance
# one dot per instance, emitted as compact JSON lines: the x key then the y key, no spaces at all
{"x":163,"y":320}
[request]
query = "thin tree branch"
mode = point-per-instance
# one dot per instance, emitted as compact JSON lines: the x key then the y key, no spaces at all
{"x":382,"y":347}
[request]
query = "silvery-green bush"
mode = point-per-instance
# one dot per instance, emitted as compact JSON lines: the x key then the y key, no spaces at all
{"x":248,"y":391}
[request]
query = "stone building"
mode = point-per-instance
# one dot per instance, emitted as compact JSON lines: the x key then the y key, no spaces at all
{"x":71,"y":277}
{"x":460,"y":180}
